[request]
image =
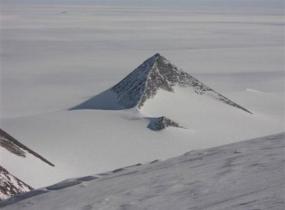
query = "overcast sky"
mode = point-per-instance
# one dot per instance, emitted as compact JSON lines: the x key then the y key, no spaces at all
{"x":261,"y":3}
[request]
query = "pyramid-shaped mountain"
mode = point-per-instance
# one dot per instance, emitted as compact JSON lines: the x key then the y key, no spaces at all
{"x":144,"y":82}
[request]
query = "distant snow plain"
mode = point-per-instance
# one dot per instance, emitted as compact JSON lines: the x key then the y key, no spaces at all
{"x":55,"y":56}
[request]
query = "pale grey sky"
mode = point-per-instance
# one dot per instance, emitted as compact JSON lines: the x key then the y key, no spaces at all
{"x":268,"y":7}
{"x":237,"y":3}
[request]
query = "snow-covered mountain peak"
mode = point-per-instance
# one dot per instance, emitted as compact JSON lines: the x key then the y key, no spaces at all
{"x":159,"y":73}
{"x":143,"y":83}
{"x":155,"y":73}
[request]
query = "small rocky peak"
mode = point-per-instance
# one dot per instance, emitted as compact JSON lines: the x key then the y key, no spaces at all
{"x":10,"y":185}
{"x":161,"y":123}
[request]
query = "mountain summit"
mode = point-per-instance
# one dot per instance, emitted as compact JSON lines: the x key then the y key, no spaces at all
{"x":144,"y":82}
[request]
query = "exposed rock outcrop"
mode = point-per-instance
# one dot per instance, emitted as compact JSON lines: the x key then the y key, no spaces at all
{"x":161,"y":123}
{"x":10,"y":185}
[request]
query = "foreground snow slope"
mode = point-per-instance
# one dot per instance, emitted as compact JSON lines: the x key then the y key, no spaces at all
{"x":244,"y":175}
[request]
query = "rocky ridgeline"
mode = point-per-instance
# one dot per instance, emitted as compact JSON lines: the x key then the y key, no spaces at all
{"x":158,"y":73}
{"x":10,"y":185}
{"x":14,"y":146}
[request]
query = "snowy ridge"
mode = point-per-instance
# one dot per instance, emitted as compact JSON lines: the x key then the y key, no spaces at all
{"x":226,"y":177}
{"x":10,"y":185}
{"x":143,"y":83}
{"x":14,"y":146}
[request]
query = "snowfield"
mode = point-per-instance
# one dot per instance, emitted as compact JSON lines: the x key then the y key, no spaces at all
{"x":244,"y":175}
{"x":104,"y":139}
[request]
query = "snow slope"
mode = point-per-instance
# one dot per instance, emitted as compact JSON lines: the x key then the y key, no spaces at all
{"x":244,"y":175}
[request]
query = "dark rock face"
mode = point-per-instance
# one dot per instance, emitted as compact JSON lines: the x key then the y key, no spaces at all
{"x":130,"y":90}
{"x":11,"y":147}
{"x":10,"y":185}
{"x":158,"y":73}
{"x":161,"y":123}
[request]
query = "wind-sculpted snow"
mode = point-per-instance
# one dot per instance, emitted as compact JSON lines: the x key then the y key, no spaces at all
{"x":143,"y":83}
{"x":10,"y":185}
{"x":244,"y":175}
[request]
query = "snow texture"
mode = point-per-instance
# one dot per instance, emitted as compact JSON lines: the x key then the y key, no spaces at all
{"x":244,"y":175}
